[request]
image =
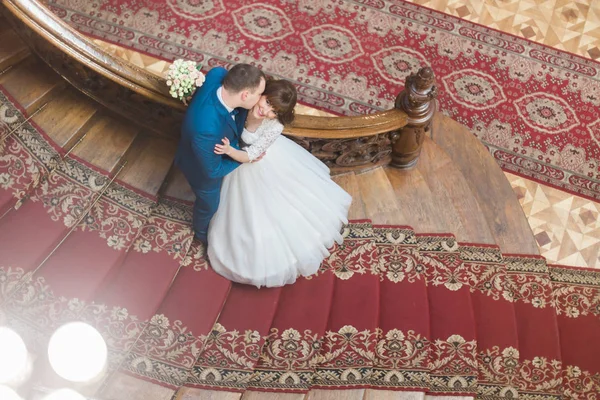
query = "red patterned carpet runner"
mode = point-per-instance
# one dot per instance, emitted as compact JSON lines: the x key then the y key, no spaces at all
{"x":535,"y":108}
{"x":389,"y":309}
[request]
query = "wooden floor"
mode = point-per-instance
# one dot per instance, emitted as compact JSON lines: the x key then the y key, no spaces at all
{"x":456,"y":187}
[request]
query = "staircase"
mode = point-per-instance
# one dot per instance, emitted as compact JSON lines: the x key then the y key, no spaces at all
{"x":95,"y":227}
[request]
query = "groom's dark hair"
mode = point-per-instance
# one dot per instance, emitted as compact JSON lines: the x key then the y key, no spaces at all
{"x":241,"y":77}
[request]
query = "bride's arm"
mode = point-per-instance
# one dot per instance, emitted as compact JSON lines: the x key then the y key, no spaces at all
{"x":237,"y":155}
{"x":268,"y":132}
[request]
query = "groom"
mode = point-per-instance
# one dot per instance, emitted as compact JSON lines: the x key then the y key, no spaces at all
{"x":218,"y":109}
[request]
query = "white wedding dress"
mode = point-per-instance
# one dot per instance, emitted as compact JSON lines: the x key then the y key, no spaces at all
{"x":278,"y":216}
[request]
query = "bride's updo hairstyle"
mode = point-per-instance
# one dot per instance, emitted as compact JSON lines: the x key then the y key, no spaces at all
{"x":282,"y":96}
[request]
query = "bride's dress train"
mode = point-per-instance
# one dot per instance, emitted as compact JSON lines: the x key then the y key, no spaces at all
{"x":277,"y":217}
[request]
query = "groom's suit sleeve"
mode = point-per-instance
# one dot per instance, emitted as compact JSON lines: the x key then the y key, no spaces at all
{"x":214,"y":165}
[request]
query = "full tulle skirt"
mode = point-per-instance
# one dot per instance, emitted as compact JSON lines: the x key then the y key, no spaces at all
{"x":277,"y":218}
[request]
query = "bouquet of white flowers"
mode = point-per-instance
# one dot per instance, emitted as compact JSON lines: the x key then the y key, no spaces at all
{"x":183,"y":78}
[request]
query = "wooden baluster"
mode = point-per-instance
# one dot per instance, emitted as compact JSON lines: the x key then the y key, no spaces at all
{"x":417,"y":100}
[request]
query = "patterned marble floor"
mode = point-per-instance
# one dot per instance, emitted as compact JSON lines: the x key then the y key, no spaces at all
{"x":566,"y":227}
{"x":573,"y":26}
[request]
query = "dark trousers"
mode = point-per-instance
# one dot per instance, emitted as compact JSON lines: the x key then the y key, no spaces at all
{"x":205,"y":206}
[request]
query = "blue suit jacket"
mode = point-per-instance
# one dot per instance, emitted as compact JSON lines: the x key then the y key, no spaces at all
{"x":206,"y":122}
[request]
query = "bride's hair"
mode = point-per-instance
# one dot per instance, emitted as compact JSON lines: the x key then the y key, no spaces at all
{"x":282,"y":96}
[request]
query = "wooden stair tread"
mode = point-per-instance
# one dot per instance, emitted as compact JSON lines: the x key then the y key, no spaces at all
{"x":321,"y":394}
{"x":376,"y":394}
{"x":148,"y":163}
{"x":106,"y":142}
{"x":257,"y":395}
{"x":379,"y":198}
{"x":4,"y":27}
{"x":500,"y":206}
{"x":177,"y":186}
{"x":62,"y":126}
{"x":449,"y":187}
{"x":32,"y":83}
{"x":12,"y":49}
{"x":412,"y":193}
{"x":187,"y":393}
{"x":349,"y":183}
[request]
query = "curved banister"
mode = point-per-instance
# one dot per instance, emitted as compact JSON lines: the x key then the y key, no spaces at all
{"x":73,"y":43}
{"x":135,"y":93}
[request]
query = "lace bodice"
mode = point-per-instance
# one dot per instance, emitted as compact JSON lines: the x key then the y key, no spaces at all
{"x":258,"y":142}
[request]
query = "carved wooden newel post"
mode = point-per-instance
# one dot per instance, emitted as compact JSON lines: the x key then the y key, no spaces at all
{"x":417,"y":100}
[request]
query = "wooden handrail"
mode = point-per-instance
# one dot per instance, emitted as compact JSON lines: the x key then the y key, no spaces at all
{"x":347,"y":127}
{"x":40,"y":19}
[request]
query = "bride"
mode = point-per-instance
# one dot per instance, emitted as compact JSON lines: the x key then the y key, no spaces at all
{"x":281,"y":214}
